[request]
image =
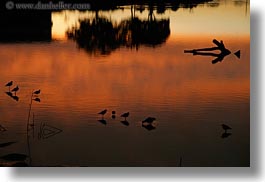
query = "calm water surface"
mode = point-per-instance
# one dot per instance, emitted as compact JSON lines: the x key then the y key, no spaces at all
{"x":188,"y":95}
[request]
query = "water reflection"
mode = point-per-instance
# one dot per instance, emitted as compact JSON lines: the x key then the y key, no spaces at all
{"x":226,"y":135}
{"x":149,"y":127}
{"x":184,"y":96}
{"x":2,"y":145}
{"x":125,"y":122}
{"x":209,"y":51}
{"x":100,"y":36}
{"x":103,"y":121}
{"x":2,"y":129}
{"x":25,"y":26}
{"x":47,"y":131}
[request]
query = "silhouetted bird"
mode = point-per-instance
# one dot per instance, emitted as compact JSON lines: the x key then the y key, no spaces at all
{"x":103,"y":112}
{"x":15,"y":89}
{"x":9,"y":84}
{"x":149,"y":120}
{"x":36,"y":92}
{"x":113,"y":112}
{"x":125,"y":115}
{"x":225,"y":127}
{"x":113,"y":116}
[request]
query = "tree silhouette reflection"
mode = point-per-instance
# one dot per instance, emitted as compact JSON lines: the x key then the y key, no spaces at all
{"x":101,"y":36}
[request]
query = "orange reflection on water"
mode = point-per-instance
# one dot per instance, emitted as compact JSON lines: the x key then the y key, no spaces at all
{"x":69,"y":77}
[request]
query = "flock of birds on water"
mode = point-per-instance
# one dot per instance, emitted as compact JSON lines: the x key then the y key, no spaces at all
{"x":147,"y":123}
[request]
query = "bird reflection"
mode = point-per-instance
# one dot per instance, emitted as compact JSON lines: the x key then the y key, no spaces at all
{"x":225,"y":128}
{"x":9,"y":94}
{"x":226,"y":135}
{"x":149,"y":127}
{"x":125,"y":122}
{"x":103,"y":121}
{"x":2,"y":129}
{"x":36,"y":99}
{"x":16,"y":98}
{"x":219,"y":47}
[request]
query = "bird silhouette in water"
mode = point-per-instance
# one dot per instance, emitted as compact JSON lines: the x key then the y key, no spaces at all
{"x":149,"y":127}
{"x":103,"y":112}
{"x":9,"y":84}
{"x":15,"y":89}
{"x":36,"y":92}
{"x":225,"y":135}
{"x":125,"y":122}
{"x":2,"y":128}
{"x":113,"y":116}
{"x":208,"y":51}
{"x":125,"y":115}
{"x":149,"y":120}
{"x":103,"y":121}
{"x":225,"y":127}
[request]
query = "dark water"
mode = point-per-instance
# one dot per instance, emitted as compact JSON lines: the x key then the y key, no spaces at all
{"x":188,"y":95}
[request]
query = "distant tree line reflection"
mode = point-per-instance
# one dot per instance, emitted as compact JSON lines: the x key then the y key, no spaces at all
{"x":100,"y":35}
